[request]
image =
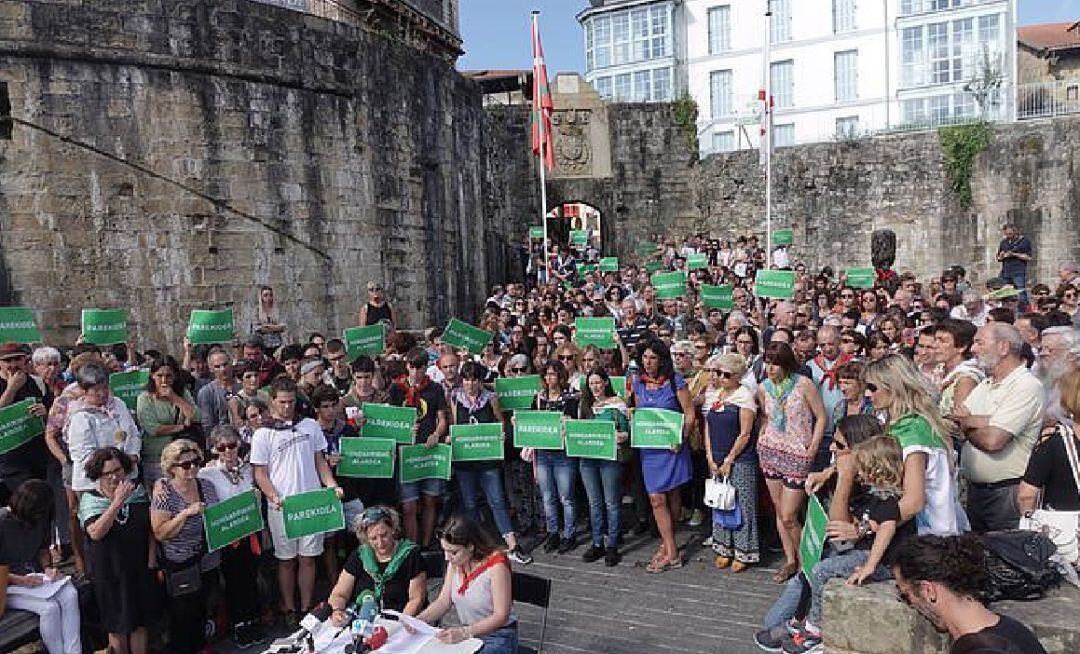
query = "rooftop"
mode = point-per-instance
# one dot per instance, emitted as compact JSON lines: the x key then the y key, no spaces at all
{"x":1050,"y":36}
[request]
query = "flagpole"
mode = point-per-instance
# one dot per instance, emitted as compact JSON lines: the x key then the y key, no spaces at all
{"x":768,"y":136}
{"x":538,"y":111}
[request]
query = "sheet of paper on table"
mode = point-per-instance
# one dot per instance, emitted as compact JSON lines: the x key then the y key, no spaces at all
{"x":403,"y":642}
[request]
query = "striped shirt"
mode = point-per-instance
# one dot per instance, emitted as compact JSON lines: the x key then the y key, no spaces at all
{"x":186,"y":542}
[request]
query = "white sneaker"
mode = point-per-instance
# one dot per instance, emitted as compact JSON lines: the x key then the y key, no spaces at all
{"x":696,"y":518}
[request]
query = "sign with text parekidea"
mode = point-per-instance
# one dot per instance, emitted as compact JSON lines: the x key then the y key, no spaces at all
{"x":541,"y":430}
{"x":210,"y":327}
{"x":104,"y":326}
{"x":517,"y":392}
{"x":388,"y":421}
{"x":777,"y":284}
{"x":17,"y":325}
{"x":313,"y":512}
{"x":466,"y":337}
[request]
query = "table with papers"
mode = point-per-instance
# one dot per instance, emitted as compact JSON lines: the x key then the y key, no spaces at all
{"x":332,"y":640}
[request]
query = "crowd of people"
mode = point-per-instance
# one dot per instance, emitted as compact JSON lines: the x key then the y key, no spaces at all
{"x":914,"y":410}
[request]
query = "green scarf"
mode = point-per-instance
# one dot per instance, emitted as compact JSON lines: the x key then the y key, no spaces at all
{"x":371,"y":565}
{"x":93,"y":504}
{"x":779,"y":394}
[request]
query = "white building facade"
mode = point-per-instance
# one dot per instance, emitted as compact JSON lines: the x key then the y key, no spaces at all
{"x":839,"y":68}
{"x":633,"y":49}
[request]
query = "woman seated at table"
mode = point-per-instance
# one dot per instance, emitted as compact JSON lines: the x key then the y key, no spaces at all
{"x":478,"y":586}
{"x":385,"y":563}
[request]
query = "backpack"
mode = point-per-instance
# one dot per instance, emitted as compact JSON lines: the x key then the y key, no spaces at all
{"x":1018,"y":565}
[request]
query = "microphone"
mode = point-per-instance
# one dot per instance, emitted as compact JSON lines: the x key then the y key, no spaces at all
{"x":311,"y":625}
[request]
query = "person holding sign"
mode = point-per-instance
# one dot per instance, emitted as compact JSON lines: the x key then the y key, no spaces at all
{"x":658,"y":386}
{"x":289,"y":457}
{"x":176,"y":518}
{"x":386,"y":564}
{"x":554,"y":470}
{"x":27,"y":461}
{"x":230,"y":476}
{"x":603,"y":478}
{"x":472,"y":404}
{"x":794,"y":425}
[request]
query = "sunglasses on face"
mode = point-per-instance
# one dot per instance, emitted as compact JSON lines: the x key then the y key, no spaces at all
{"x":189,"y":464}
{"x":221,"y":447}
{"x":518,"y":369}
{"x":871,"y":387}
{"x":565,"y":357}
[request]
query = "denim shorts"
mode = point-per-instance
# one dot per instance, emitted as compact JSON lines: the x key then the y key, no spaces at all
{"x":411,"y":491}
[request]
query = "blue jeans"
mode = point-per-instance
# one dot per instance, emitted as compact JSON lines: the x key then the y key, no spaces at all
{"x":489,"y":481}
{"x":603,"y":485}
{"x":1019,"y":281}
{"x":500,"y":641}
{"x":787,"y":605}
{"x":839,"y":566}
{"x":555,"y":475}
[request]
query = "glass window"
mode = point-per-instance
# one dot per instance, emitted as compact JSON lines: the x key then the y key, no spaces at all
{"x":846,"y":75}
{"x":720,"y":93}
{"x":588,"y":46}
{"x":723,"y":141}
{"x":938,"y":45}
{"x":602,"y":41}
{"x":963,"y":49}
{"x":660,"y":29}
{"x":719,"y":29}
{"x":939,"y":109}
{"x":843,"y":16}
{"x":643,"y":86}
{"x":783,"y":83}
{"x":914,"y":111}
{"x":662,"y":85}
{"x":783,"y":135}
{"x":847,"y":127}
{"x":603,"y":87}
{"x":963,"y":105}
{"x":912,"y":55}
{"x":780,"y":24}
{"x":620,"y":88}
{"x":620,"y":38}
{"x":639,"y":21}
{"x":990,"y":32}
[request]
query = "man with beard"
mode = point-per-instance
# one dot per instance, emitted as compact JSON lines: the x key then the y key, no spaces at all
{"x":940,"y":577}
{"x":1059,"y":352}
{"x":1000,"y":421}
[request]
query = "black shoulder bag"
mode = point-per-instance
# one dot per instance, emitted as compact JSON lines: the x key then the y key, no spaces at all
{"x":185,"y":578}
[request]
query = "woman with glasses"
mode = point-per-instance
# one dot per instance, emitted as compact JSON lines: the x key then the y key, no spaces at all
{"x":603,"y":479}
{"x":231,"y":475}
{"x":555,"y":471}
{"x":729,"y":421}
{"x":472,"y":404}
{"x":97,"y":420}
{"x":176,"y":516}
{"x":793,"y":424}
{"x":525,"y":499}
{"x":665,"y":471}
{"x":116,"y":517}
{"x":377,"y":309}
{"x":386,"y":563}
{"x":570,"y":357}
{"x":478,"y":587}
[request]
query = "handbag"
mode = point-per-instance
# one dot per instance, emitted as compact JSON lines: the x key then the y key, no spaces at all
{"x":185,"y":578}
{"x":731,"y":520}
{"x":719,"y":494}
{"x":1061,"y":527}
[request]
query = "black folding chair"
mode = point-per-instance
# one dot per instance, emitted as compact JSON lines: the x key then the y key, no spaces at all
{"x":534,"y":590}
{"x":434,"y":564}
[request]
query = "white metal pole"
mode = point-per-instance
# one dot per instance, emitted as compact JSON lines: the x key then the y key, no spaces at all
{"x":768,"y":136}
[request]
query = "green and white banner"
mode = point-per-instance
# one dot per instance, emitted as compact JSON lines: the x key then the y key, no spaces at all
{"x":591,"y":439}
{"x":579,"y":237}
{"x":387,"y":421}
{"x":656,"y":428}
{"x":595,"y":331}
{"x":18,"y":426}
{"x":718,"y":297}
{"x":859,"y":277}
{"x":541,"y":430}
{"x":812,"y":542}
{"x":669,"y":286}
{"x":128,"y":386}
{"x":210,"y":326}
{"x":17,"y":326}
{"x":466,"y":337}
{"x":697,"y":261}
{"x":230,"y":520}
{"x":313,"y":512}
{"x":609,"y":264}
{"x":368,"y":458}
{"x":482,"y":441}
{"x":778,"y":284}
{"x":536,"y":232}
{"x":517,"y":392}
{"x":783,"y":237}
{"x":421,"y":462}
{"x":364,"y":340}
{"x":104,"y":326}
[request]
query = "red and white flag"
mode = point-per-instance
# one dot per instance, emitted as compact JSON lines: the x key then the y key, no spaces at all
{"x":542,"y":142}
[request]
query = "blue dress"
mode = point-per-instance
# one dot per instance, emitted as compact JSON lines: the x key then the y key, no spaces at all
{"x":663,"y":470}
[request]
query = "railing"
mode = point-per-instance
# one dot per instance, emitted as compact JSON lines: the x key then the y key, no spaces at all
{"x":1048,"y":99}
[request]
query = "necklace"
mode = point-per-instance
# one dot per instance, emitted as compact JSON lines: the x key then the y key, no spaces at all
{"x":232,"y":474}
{"x":122,"y":517}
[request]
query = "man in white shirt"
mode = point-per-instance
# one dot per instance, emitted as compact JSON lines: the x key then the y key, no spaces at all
{"x":1001,"y":420}
{"x":288,"y":458}
{"x":973,"y":309}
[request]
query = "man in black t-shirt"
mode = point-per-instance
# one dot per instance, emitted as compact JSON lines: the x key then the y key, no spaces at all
{"x":432,"y":425}
{"x":940,"y":578}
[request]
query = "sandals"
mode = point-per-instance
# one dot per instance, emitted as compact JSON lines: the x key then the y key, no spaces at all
{"x":657,"y":567}
{"x":786,"y":572}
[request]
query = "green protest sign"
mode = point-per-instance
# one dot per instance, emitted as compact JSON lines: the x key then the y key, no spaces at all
{"x":813,"y":535}
{"x":859,"y":277}
{"x":583,"y":268}
{"x":669,"y":286}
{"x":517,"y":392}
{"x":609,"y":264}
{"x":230,"y":520}
{"x":579,"y":237}
{"x":386,"y":421}
{"x":656,"y":428}
{"x":129,"y":385}
{"x":482,"y":441}
{"x":779,"y":284}
{"x":313,"y":512}
{"x":718,"y":297}
{"x":364,"y":340}
{"x":466,"y":337}
{"x":541,"y":430}
{"x":421,"y":462}
{"x":591,"y":439}
{"x":536,"y":232}
{"x":210,"y":326}
{"x":18,"y":426}
{"x":370,"y":458}
{"x":17,"y":326}
{"x":617,"y":383}
{"x":783,"y":237}
{"x":595,"y":331}
{"x":645,"y":248}
{"x":653,"y":266}
{"x":697,"y":261}
{"x":104,"y":326}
